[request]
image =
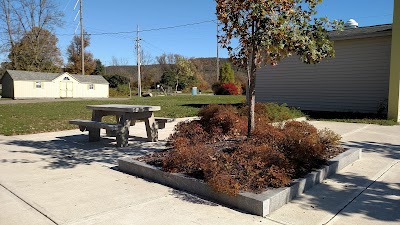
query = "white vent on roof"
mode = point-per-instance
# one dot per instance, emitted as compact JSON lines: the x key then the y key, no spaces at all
{"x":351,"y":24}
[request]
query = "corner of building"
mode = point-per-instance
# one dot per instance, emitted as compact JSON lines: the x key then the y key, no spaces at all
{"x":394,"y":81}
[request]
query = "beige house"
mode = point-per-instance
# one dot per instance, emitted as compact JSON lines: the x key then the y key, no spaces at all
{"x":28,"y":85}
{"x":356,"y":80}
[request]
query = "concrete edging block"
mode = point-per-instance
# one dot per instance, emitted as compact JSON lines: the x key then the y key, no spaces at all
{"x":259,"y":204}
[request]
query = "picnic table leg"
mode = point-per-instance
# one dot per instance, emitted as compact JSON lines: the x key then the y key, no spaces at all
{"x":123,"y":134}
{"x":151,"y":129}
{"x":113,"y":133}
{"x":94,"y":133}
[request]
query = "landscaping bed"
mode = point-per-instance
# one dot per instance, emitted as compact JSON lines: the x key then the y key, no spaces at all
{"x":216,"y":153}
{"x":261,"y":204}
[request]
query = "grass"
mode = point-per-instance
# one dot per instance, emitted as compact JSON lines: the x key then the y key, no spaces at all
{"x":350,"y":117}
{"x":29,"y":118}
{"x":278,"y":113}
{"x":16,"y":119}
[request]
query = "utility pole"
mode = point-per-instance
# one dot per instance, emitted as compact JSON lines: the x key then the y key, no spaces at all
{"x":217,"y":52}
{"x":82,"y":40}
{"x":138,"y":62}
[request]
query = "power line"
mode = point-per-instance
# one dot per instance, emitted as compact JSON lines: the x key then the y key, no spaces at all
{"x":178,"y":26}
{"x":153,"y":46}
{"x":146,"y":30}
{"x":65,"y":8}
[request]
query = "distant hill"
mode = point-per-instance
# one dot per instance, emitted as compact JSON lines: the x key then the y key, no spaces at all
{"x":207,"y":66}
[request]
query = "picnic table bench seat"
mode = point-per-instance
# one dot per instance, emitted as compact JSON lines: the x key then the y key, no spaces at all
{"x":112,"y":130}
{"x":161,"y":121}
{"x":85,"y":124}
{"x":94,"y":130}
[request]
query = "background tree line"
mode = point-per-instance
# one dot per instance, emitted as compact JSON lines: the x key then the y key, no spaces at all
{"x":27,"y":38}
{"x":166,"y":71}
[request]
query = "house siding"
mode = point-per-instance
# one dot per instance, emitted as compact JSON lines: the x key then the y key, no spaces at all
{"x":356,"y":80}
{"x":99,"y":91}
{"x":27,"y":89}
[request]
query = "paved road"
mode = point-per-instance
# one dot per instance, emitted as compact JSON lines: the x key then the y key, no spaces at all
{"x":59,"y":178}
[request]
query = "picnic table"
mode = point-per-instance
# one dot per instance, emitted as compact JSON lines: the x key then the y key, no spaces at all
{"x":126,"y":116}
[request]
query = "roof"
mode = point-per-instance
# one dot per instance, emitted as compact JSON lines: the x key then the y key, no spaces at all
{"x":362,"y":32}
{"x":96,"y":79}
{"x":39,"y":76}
{"x":28,"y":75}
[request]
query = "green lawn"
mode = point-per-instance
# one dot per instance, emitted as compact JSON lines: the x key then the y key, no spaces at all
{"x":349,"y":117}
{"x":53,"y":116}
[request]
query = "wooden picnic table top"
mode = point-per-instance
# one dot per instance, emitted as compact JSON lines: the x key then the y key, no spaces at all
{"x":124,"y":108}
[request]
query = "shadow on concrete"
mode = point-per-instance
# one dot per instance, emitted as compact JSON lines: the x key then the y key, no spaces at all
{"x":373,"y":199}
{"x":388,"y":150}
{"x":184,"y":196}
{"x":70,"y":151}
{"x":379,"y":201}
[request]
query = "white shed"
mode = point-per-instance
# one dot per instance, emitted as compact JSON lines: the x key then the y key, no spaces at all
{"x":26,"y":85}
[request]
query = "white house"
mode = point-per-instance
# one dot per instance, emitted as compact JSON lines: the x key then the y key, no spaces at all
{"x":26,"y":85}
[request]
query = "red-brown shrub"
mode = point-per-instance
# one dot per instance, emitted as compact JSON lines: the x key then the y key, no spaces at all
{"x":267,"y":133}
{"x":216,"y":149}
{"x":193,"y":131}
{"x":302,"y":146}
{"x":227,"y":89}
{"x":231,"y":88}
{"x":188,"y":158}
{"x":222,"y":120}
{"x":328,"y":139}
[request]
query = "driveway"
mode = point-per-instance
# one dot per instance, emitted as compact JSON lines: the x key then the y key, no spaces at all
{"x":60,"y":178}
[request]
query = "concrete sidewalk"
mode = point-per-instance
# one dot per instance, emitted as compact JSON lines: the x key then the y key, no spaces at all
{"x":60,"y":178}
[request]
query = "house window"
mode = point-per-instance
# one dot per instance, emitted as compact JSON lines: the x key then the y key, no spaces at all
{"x":38,"y":84}
{"x":66,"y":78}
{"x":91,"y":86}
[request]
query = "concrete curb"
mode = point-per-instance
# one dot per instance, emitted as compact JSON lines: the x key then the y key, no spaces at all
{"x":259,"y":204}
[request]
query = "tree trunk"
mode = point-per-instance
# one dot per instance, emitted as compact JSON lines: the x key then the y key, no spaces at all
{"x":251,"y":80}
{"x":248,"y":84}
{"x":252,"y":99}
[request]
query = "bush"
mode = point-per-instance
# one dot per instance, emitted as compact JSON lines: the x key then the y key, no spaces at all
{"x":227,"y":75}
{"x":272,"y":112}
{"x":216,"y":150}
{"x":121,"y":90}
{"x":302,"y":146}
{"x":116,"y":80}
{"x":222,"y":120}
{"x":227,"y":89}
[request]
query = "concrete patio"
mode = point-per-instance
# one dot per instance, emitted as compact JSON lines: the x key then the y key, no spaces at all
{"x":61,"y":178}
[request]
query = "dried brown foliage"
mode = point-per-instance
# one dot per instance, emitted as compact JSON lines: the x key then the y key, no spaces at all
{"x":222,"y":120}
{"x":216,"y":150}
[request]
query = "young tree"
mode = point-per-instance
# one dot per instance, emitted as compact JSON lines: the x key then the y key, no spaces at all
{"x":182,"y":74}
{"x":99,"y":69}
{"x":227,"y":75}
{"x":74,"y":56}
{"x":36,"y":51}
{"x":270,"y":30}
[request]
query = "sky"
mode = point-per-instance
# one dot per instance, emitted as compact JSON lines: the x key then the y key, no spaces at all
{"x":196,"y":40}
